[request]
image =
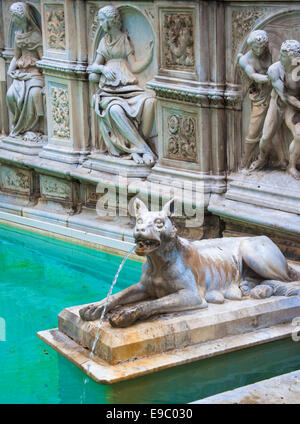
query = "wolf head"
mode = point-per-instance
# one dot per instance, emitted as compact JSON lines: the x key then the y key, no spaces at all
{"x":152,"y":229}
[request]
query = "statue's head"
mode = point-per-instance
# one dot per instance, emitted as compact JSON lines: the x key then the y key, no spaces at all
{"x":152,"y":229}
{"x":109,"y":16}
{"x":19,"y":11}
{"x":22,"y":12}
{"x":258,"y":41}
{"x":290,"y":53}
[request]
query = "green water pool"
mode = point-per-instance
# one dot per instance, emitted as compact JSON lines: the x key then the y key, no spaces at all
{"x":40,"y":276}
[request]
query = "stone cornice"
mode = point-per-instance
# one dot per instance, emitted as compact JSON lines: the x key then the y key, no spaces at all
{"x":210,"y":98}
{"x":63,"y":68}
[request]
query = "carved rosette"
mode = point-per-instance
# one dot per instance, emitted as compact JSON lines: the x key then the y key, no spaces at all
{"x":178,"y":41}
{"x":181,"y":144}
{"x":243,"y":21}
{"x":60,"y":112}
{"x":56,"y":34}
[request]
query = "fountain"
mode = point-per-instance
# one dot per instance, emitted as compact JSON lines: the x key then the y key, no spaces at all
{"x":194,"y":300}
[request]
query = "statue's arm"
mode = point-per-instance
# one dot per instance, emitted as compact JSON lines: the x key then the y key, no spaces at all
{"x":40,"y":53}
{"x":13,"y":65}
{"x":138,"y":66}
{"x":250,"y":71}
{"x":277,"y":82}
{"x":97,"y":66}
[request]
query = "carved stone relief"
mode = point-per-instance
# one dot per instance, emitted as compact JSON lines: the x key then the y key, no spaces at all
{"x":181,"y":138}
{"x":56,"y":35}
{"x":178,"y":41}
{"x":242,"y":23}
{"x":15,"y":180}
{"x":59,"y":99}
{"x":56,"y":188}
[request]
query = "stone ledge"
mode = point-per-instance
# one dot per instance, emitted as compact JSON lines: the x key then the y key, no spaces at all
{"x":105,"y":373}
{"x":162,"y":333}
{"x":284,"y":389}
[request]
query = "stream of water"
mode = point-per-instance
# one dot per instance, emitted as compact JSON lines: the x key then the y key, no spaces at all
{"x":100,"y":323}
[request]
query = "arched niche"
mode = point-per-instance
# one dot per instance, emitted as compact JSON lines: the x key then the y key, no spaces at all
{"x":12,"y":27}
{"x":280,"y":27}
{"x":140,"y":31}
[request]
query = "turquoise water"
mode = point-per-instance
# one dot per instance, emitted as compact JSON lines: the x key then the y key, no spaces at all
{"x":40,"y":276}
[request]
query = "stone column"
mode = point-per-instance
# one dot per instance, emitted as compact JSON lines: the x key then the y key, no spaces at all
{"x":64,"y":65}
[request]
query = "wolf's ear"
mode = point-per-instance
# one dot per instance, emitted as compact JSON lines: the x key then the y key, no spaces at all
{"x":169,"y":207}
{"x":138,"y":208}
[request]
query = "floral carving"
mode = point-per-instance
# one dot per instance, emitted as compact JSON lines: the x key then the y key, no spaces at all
{"x":242,"y":23}
{"x":182,"y":138}
{"x":178,"y":39}
{"x":60,"y":112}
{"x":56,"y":34}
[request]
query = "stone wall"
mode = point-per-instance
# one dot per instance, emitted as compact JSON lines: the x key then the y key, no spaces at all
{"x":201,"y":117}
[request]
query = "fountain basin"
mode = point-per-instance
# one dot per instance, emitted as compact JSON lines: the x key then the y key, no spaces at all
{"x":168,"y":340}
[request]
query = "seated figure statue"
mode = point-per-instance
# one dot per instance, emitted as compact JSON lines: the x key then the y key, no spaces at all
{"x":125,"y":111}
{"x":181,"y":275}
{"x":24,"y":96}
{"x":284,"y":105}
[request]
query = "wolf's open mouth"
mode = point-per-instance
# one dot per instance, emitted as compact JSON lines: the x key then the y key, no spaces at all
{"x":146,"y":244}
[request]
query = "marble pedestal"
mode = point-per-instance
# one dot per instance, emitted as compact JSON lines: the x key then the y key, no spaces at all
{"x":117,"y":166}
{"x":19,"y":145}
{"x":168,"y":340}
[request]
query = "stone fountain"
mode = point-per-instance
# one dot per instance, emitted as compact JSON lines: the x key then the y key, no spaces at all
{"x":194,"y":300}
{"x":195,"y":100}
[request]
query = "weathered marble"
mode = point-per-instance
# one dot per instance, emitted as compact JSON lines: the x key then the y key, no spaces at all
{"x":284,"y":389}
{"x":171,"y":340}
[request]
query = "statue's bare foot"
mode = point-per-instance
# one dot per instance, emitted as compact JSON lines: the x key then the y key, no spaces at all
{"x":124,"y":317}
{"x":137,"y":158}
{"x":257,"y":165}
{"x":91,"y":312}
{"x":293,"y":172}
{"x":148,"y":158}
{"x":283,"y":164}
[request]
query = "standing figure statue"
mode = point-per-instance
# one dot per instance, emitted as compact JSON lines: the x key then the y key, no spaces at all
{"x":126,"y":111}
{"x":255,"y":64}
{"x":284,"y":105}
{"x":24,"y":96}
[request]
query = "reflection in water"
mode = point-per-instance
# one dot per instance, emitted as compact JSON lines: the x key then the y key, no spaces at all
{"x":186,"y":383}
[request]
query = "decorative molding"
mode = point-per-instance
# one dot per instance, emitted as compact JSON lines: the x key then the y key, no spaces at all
{"x":197,"y":97}
{"x":56,"y":34}
{"x":178,"y":41}
{"x":60,"y":111}
{"x":242,"y":22}
{"x":181,"y":137}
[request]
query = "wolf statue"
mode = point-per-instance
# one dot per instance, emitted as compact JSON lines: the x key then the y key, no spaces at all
{"x":180,"y":275}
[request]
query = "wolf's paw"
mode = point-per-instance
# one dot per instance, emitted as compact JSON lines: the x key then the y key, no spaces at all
{"x":91,"y":312}
{"x":246,"y":287}
{"x":124,"y":317}
{"x":261,"y":292}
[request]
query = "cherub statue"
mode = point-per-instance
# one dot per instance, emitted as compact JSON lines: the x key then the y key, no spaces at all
{"x":125,"y":111}
{"x":24,"y":96}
